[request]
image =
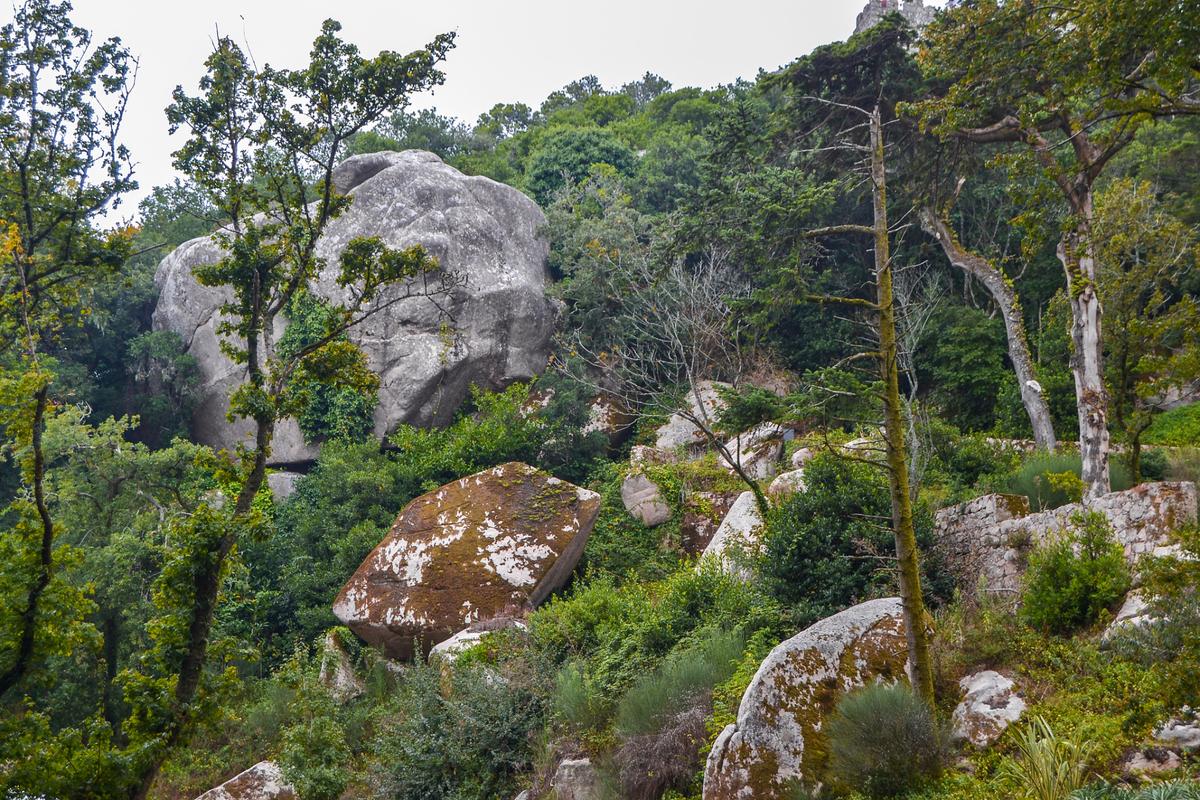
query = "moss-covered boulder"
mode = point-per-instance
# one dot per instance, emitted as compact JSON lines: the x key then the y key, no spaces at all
{"x":489,"y":544}
{"x":777,"y":743}
{"x":263,"y":781}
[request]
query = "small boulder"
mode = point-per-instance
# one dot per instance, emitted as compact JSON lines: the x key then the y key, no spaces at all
{"x":1181,"y":732}
{"x":777,"y":740}
{"x":492,"y":543}
{"x":989,"y":706}
{"x":337,"y":673}
{"x":449,"y":650}
{"x":786,"y":484}
{"x":737,"y":537}
{"x":576,"y":779}
{"x":643,"y":499}
{"x":802,"y":457}
{"x":758,"y":451}
{"x":1134,"y":613}
{"x":608,"y":416}
{"x":1151,"y":761}
{"x":704,"y":402}
{"x":263,"y":781}
{"x":643,"y":454}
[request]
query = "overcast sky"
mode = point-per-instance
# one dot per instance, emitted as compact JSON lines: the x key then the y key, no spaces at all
{"x":507,"y":50}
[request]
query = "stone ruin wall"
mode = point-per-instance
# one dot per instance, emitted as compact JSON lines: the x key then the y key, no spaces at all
{"x":990,"y":537}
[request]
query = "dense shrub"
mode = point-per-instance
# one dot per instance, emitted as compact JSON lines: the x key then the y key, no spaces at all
{"x":660,"y":720}
{"x":612,"y":637}
{"x":828,"y":547}
{"x":567,"y":155}
{"x":885,"y":741}
{"x":1046,"y":479}
{"x":463,"y":734}
{"x":1076,"y":577}
{"x":1179,"y":427}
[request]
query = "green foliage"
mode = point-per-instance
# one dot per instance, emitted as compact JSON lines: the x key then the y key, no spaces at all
{"x":313,"y":752}
{"x":884,"y":741}
{"x":1072,"y":580}
{"x":465,"y":735}
{"x":167,"y":378}
{"x":567,"y":155}
{"x":1043,"y":478}
{"x":613,"y":637}
{"x":826,"y":547}
{"x":1169,"y":790}
{"x":1179,"y":427}
{"x":963,"y":359}
{"x":344,"y":411}
{"x":1051,"y":767}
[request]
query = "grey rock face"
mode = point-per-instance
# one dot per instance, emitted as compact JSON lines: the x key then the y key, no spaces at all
{"x":501,"y":319}
{"x":643,"y":499}
{"x":576,"y":779}
{"x":990,"y":704}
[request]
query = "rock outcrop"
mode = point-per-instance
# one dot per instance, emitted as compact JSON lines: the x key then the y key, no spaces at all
{"x":737,"y":537}
{"x":786,"y":484}
{"x":777,"y":739}
{"x":337,"y":672}
{"x":987,"y":536}
{"x":989,"y":705}
{"x":485,"y":546}
{"x":705,"y":403}
{"x":758,"y":451}
{"x":501,"y":324}
{"x":576,"y":779}
{"x":263,"y":781}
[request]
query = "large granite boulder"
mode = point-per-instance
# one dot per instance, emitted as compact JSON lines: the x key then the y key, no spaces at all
{"x":263,"y":781}
{"x":501,"y":319}
{"x":777,"y":740}
{"x":485,"y":546}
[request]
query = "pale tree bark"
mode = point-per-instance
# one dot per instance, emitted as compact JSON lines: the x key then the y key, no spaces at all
{"x":1005,"y":297}
{"x":1075,"y":251}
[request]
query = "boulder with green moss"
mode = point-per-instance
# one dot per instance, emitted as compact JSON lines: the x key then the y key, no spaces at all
{"x":488,"y":545}
{"x":777,"y":743}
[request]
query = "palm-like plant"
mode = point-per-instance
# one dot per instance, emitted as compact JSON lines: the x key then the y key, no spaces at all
{"x":1051,"y":767}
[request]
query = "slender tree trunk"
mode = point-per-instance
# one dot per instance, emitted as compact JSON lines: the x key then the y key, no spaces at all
{"x":1005,"y":297}
{"x":920,"y":662}
{"x":25,"y":644}
{"x":1075,"y":251}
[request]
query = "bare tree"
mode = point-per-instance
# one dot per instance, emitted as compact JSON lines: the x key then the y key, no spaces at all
{"x":676,"y":327}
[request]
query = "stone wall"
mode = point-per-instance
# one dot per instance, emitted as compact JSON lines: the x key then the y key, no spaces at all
{"x":990,"y":536}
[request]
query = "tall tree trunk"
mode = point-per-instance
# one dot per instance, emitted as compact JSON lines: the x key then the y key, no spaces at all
{"x":920,"y":662}
{"x":1005,"y":297}
{"x":25,"y":643}
{"x":1075,"y":251}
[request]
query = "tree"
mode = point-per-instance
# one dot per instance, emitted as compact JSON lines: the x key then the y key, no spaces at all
{"x":62,"y":102}
{"x":566,"y":156}
{"x":1152,"y":339}
{"x":1066,"y":85}
{"x":1004,"y":297}
{"x":263,"y":143}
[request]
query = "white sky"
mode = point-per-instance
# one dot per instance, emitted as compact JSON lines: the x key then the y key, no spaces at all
{"x":507,"y":50}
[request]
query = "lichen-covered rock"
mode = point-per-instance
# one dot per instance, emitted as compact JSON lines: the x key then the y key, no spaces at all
{"x":263,"y":781}
{"x":1151,"y":761}
{"x":608,"y":416}
{"x":758,"y":451}
{"x":337,"y":673}
{"x":484,"y":546}
{"x":449,"y":649}
{"x":989,"y":705}
{"x":644,"y":500}
{"x":576,"y":779}
{"x":786,"y":484}
{"x":502,"y":321}
{"x":1134,"y":613}
{"x":680,"y":432}
{"x":777,"y":740}
{"x":802,"y":457}
{"x":737,"y":538}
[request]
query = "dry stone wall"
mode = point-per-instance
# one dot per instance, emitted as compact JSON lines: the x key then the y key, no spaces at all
{"x":989,"y":537}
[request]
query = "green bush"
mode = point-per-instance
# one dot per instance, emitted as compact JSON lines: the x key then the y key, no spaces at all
{"x":826,"y":547}
{"x":1076,"y":577}
{"x":1179,"y":427}
{"x":1051,"y":767}
{"x":465,"y":734}
{"x":1183,"y":465}
{"x":1040,"y":478}
{"x":884,"y":741}
{"x":1170,"y":790}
